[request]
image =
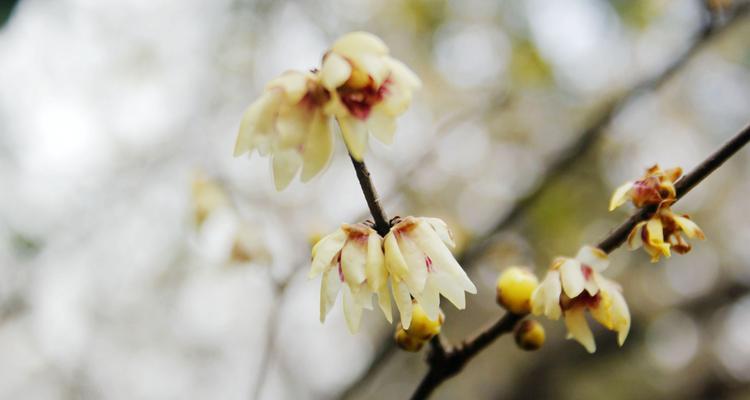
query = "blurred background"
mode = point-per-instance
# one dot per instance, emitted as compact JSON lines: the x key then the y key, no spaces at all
{"x":140,"y":260}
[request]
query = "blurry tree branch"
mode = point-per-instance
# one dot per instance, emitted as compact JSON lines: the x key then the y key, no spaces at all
{"x":567,"y":158}
{"x":445,"y":363}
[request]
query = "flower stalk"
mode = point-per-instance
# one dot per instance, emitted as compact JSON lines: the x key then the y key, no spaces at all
{"x":382,"y":226}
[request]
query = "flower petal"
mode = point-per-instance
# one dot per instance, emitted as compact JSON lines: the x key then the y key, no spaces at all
{"x":352,"y":310}
{"x":377,"y":275}
{"x":381,"y":125}
{"x":442,"y":230}
{"x":635,"y":238}
{"x":324,"y":251}
{"x":292,"y":83}
{"x":690,"y":228}
{"x":354,"y":132}
{"x":594,"y":257}
{"x":429,"y":299}
{"x":355,"y":43}
{"x":552,"y":293}
{"x":329,"y":289}
{"x":353,"y":260}
{"x":578,"y":328}
{"x":384,"y":301}
{"x":620,"y":196}
{"x":285,"y":165}
{"x":256,"y":124}
{"x":335,"y":71}
{"x":318,"y":148}
{"x":403,"y":302}
{"x":572,"y":278}
{"x":442,"y":258}
{"x":394,"y":260}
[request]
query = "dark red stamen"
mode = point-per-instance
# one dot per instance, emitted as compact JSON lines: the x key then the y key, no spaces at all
{"x":428,"y":263}
{"x":360,"y":101}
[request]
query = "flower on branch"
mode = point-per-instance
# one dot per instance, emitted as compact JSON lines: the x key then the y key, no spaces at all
{"x":369,"y":89}
{"x":421,"y":266}
{"x":655,"y":188}
{"x":574,"y":285}
{"x":351,"y":260}
{"x":662,"y":232}
{"x":288,"y":124}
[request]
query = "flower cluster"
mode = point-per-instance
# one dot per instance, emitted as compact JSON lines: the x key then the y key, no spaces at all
{"x":413,"y":258}
{"x":662,"y":231}
{"x":574,"y":285}
{"x":359,"y":84}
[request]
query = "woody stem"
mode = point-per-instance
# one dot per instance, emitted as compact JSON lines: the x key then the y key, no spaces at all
{"x":371,"y":196}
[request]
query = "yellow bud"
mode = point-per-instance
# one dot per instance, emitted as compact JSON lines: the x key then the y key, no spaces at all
{"x":529,"y":335}
{"x":514,"y":288}
{"x":422,"y":327}
{"x":406,"y":341}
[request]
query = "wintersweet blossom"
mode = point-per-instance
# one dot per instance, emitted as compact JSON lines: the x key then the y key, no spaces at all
{"x":662,"y":232}
{"x":574,"y":285}
{"x":288,"y":124}
{"x":351,"y":260}
{"x":369,"y":89}
{"x":655,"y":188}
{"x":421,"y":266}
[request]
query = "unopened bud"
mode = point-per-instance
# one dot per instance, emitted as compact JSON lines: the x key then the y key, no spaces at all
{"x":407,"y":342}
{"x":514,"y":288}
{"x":422,"y":327}
{"x":529,"y":335}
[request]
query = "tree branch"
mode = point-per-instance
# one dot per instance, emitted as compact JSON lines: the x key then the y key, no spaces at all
{"x":568,"y":158}
{"x":452,"y":361}
{"x":371,"y":196}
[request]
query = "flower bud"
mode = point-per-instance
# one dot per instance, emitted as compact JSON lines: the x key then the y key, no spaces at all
{"x":407,"y":342}
{"x":422,"y":327}
{"x":514,"y":288}
{"x":529,"y":335}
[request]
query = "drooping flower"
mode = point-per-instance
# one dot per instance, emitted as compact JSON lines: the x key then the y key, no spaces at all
{"x":351,"y":260}
{"x":288,"y":124}
{"x":574,"y":285}
{"x":369,"y":89}
{"x":421,"y":266}
{"x":655,"y":188}
{"x":661,"y":232}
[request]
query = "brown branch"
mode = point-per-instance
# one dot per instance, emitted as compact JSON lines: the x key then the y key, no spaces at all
{"x":448,"y":363}
{"x":566,"y":160}
{"x":371,"y":196}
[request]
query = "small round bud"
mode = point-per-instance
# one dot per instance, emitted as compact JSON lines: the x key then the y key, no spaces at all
{"x":514,"y":288}
{"x":406,"y":342}
{"x":529,"y":335}
{"x":422,"y":327}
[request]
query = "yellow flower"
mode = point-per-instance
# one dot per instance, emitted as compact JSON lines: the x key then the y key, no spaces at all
{"x":574,"y":285}
{"x":514,"y":288}
{"x":288,"y":124}
{"x":662,"y":232}
{"x":351,"y":260}
{"x":655,"y":188}
{"x":421,"y":266}
{"x":369,"y":89}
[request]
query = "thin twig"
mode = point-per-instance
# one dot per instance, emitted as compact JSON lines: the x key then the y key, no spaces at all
{"x":450,"y":362}
{"x":371,"y":196}
{"x":565,"y":161}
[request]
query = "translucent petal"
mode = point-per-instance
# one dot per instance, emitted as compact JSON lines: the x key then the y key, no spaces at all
{"x":578,"y":328}
{"x":572,"y":278}
{"x":384,"y":301}
{"x":394,"y":260}
{"x":318,"y":148}
{"x":377,"y":275}
{"x":352,"y":311}
{"x":381,"y":125}
{"x":690,"y":228}
{"x":354,"y":132}
{"x":403,"y":302}
{"x":285,"y":165}
{"x":441,"y":228}
{"x":448,"y":287}
{"x":593,"y":257}
{"x":335,"y":71}
{"x":552,"y":292}
{"x":374,"y":66}
{"x":635,"y":238}
{"x":402,"y":74}
{"x":415,"y":260}
{"x":353,"y":259}
{"x":329,"y":289}
{"x":620,"y":196}
{"x":442,"y":258}
{"x":324,"y":251}
{"x":621,"y":315}
{"x":255,"y":122}
{"x":429,"y":299}
{"x":293,"y":84}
